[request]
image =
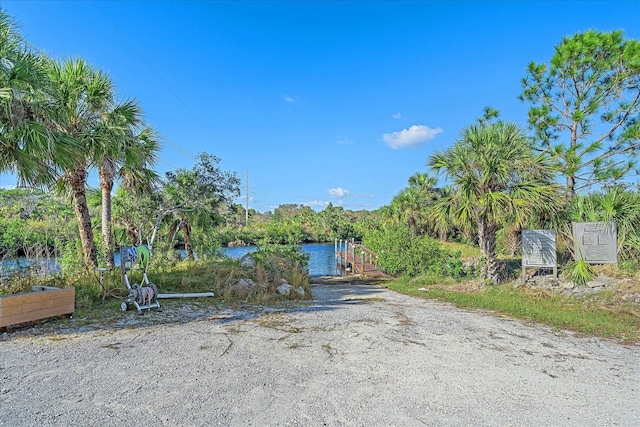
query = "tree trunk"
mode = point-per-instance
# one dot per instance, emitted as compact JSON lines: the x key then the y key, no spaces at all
{"x":569,"y":189}
{"x":487,"y":243}
{"x":106,"y":186}
{"x":77,"y":180}
{"x":173,"y":230}
{"x":514,"y":239}
{"x":570,"y":166}
{"x":132,"y":231}
{"x":186,"y":231}
{"x":154,"y":234}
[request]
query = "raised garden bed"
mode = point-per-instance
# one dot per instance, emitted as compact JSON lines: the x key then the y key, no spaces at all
{"x":30,"y":306}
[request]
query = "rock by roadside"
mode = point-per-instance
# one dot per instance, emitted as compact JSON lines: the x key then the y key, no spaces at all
{"x":627,"y":288}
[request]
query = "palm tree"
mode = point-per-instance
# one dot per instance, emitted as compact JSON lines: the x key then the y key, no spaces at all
{"x":29,"y":147}
{"x":128,"y":149}
{"x":495,"y":177}
{"x":425,"y":184}
{"x":81,"y":96}
{"x":407,"y":208}
{"x":412,"y":204}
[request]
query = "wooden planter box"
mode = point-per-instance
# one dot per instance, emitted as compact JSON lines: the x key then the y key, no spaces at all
{"x":30,"y":306}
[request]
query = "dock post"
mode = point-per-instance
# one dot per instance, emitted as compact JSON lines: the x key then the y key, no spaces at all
{"x":353,"y":258}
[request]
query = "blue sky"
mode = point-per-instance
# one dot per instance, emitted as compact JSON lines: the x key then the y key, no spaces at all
{"x":317,"y":102}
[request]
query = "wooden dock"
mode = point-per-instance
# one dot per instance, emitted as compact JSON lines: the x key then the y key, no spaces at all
{"x":354,"y":258}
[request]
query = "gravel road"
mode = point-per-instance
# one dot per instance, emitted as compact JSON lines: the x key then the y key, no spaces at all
{"x":357,"y":355}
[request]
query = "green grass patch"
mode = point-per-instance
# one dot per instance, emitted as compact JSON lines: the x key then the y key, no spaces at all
{"x":466,"y":251}
{"x":593,"y":315}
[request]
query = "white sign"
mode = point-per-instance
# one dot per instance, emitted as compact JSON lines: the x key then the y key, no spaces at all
{"x":539,"y":249}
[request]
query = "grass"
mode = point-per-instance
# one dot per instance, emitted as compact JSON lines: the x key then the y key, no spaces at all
{"x":278,"y":321}
{"x":466,"y":251}
{"x":598,"y":315}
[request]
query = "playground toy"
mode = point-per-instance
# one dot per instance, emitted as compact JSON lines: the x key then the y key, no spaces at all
{"x":145,"y":294}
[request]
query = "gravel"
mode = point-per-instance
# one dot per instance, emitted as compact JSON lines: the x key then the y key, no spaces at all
{"x":357,"y":355}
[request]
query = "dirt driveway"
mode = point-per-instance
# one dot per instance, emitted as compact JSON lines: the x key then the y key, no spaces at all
{"x":358,"y":355}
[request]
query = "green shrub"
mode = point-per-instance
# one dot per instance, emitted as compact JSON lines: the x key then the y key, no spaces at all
{"x":294,"y":255}
{"x":401,"y":253}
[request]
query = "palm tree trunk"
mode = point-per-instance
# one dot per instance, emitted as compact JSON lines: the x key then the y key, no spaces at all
{"x":106,"y":186}
{"x":77,"y":180}
{"x":487,"y":243}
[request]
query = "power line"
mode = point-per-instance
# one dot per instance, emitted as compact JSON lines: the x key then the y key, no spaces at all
{"x":186,"y":107}
{"x":179,"y":148}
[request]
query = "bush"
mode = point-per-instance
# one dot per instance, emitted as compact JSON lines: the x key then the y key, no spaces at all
{"x":294,"y":255}
{"x":401,"y":253}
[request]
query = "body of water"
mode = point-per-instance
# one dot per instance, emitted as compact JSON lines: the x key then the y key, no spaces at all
{"x":43,"y":266}
{"x":321,"y":261}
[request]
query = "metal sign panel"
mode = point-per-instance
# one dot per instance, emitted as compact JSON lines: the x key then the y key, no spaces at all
{"x":596,"y":242}
{"x":539,"y":248}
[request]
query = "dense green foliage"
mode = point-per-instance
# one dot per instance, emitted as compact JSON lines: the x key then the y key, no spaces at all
{"x":33,"y":223}
{"x":294,"y":224}
{"x":400,"y":253}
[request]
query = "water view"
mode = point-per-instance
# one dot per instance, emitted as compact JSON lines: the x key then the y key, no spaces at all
{"x":321,"y":261}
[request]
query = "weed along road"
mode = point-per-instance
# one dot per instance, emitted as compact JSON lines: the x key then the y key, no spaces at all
{"x":357,"y":355}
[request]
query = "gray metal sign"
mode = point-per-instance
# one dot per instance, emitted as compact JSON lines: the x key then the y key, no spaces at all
{"x":596,"y":242}
{"x":539,"y":249}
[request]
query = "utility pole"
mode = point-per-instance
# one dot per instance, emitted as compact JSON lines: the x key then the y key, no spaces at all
{"x":246,"y":210}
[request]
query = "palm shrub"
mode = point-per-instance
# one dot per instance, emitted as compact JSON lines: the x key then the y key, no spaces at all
{"x":579,"y":272}
{"x":613,"y":204}
{"x":496,"y":178}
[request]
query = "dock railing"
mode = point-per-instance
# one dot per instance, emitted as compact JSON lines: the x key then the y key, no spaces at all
{"x":354,"y":258}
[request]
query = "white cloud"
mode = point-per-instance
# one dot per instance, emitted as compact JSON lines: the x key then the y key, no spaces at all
{"x":338,"y":192}
{"x":397,"y":115}
{"x":415,"y":135}
{"x":288,"y":98}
